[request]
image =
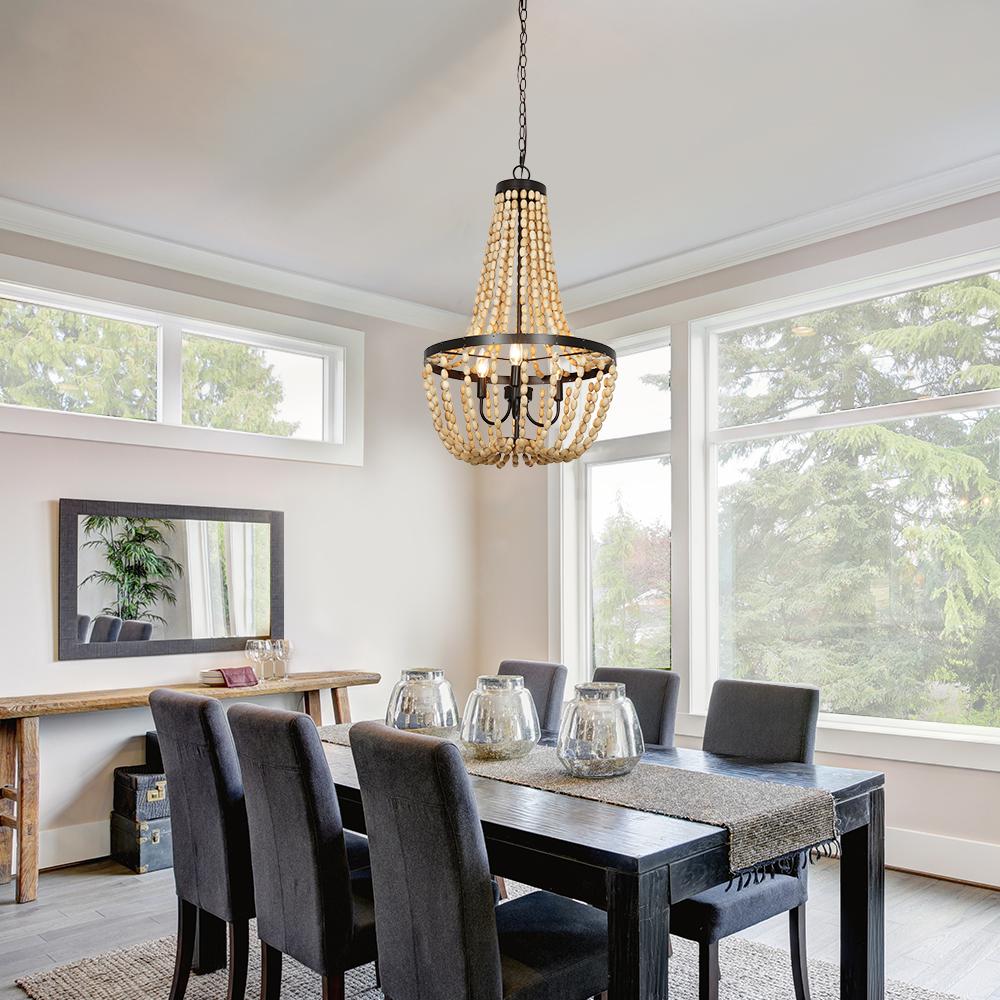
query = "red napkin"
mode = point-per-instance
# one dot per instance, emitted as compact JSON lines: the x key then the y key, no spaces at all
{"x":238,"y":677}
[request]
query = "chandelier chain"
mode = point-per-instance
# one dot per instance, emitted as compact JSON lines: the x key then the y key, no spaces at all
{"x":522,"y":86}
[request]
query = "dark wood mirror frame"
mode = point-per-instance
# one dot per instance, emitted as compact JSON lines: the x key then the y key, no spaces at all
{"x":70,"y":648}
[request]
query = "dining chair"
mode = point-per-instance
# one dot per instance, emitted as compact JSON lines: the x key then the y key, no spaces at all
{"x":82,"y":627}
{"x":764,"y":722}
{"x":440,"y":934}
{"x":311,"y":906}
{"x":547,"y":684}
{"x":654,"y":694}
{"x":106,"y":629}
{"x":211,"y":843}
{"x":135,"y":631}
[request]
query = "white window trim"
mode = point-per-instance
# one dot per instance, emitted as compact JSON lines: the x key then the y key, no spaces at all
{"x":572,"y":488}
{"x":342,"y":350}
{"x":976,"y":747}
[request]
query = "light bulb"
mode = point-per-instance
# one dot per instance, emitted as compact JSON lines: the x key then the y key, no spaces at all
{"x":516,"y":354}
{"x":483,"y":367}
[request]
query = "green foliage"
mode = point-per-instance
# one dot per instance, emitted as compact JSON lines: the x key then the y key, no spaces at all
{"x":231,"y":385}
{"x":139,"y":568}
{"x":77,"y":363}
{"x":867,"y":559}
{"x":631,"y":582}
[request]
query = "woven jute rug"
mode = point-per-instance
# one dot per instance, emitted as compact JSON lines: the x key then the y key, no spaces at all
{"x":750,"y":971}
{"x":766,"y":820}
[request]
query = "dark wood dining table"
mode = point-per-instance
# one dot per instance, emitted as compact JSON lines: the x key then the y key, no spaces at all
{"x":635,"y":864}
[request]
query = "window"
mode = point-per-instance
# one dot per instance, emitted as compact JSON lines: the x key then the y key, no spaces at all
{"x":67,"y":364}
{"x":624,"y":489}
{"x":854,"y":469}
{"x":77,"y":362}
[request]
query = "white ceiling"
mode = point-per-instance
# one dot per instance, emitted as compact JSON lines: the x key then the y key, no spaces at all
{"x":360,"y":141}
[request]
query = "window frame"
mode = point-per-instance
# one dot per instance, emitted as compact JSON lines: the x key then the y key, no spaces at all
{"x":708,"y":437}
{"x":341,"y":350}
{"x":574,"y":486}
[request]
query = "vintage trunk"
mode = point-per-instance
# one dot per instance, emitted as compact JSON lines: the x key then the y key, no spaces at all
{"x":141,"y":793}
{"x":145,"y":846}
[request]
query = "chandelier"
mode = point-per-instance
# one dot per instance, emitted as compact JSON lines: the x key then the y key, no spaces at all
{"x":527,"y":390}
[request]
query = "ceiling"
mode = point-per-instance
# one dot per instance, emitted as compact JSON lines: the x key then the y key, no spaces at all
{"x":360,"y":142}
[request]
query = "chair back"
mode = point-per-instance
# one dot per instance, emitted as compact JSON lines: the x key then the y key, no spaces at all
{"x":135,"y":631}
{"x":106,"y":629}
{"x":434,"y":906}
{"x":82,"y":627}
{"x":547,"y":684}
{"x":654,"y":694}
{"x":302,"y":882}
{"x":765,"y":721}
{"x":208,"y":816}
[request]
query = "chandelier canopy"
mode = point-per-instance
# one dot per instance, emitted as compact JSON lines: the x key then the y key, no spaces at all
{"x":521,"y":373}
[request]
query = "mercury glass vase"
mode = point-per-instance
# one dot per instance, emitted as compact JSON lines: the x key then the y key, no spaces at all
{"x":500,"y":721}
{"x":599,"y":736}
{"x":423,"y":701}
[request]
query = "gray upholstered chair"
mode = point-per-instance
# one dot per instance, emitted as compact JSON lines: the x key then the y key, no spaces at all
{"x":765,"y":722}
{"x":106,"y":629}
{"x":211,"y":843}
{"x":547,"y":684}
{"x":654,"y":694}
{"x":82,"y":627}
{"x":310,"y":905}
{"x":135,"y":631}
{"x":440,"y":935}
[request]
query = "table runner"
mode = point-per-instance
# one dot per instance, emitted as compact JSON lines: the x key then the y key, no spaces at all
{"x":772,"y":827}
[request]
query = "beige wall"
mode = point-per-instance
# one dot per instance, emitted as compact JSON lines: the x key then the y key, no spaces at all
{"x":366,"y":583}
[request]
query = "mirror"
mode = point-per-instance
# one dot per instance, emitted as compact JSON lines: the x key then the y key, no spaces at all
{"x":147,"y":579}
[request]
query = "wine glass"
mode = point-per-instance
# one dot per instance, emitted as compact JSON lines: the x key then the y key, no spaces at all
{"x":255,"y":654}
{"x":267,"y":658}
{"x":281,"y":649}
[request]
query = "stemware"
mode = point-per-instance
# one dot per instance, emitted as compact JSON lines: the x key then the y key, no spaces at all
{"x":281,"y":650}
{"x":255,"y":654}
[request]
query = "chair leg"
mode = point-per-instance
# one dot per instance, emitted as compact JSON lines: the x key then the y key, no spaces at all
{"x":270,"y":972}
{"x":502,"y":886}
{"x":333,"y":987}
{"x":210,"y":944}
{"x":187,"y":929}
{"x":708,"y":971}
{"x":800,"y":962}
{"x":239,"y":959}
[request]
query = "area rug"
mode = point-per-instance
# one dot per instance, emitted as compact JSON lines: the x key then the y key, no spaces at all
{"x":750,"y":971}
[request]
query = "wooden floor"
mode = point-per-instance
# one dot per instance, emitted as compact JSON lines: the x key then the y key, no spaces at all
{"x":940,"y":935}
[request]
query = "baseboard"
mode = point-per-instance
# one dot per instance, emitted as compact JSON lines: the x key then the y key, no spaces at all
{"x":944,"y":857}
{"x":66,"y":845}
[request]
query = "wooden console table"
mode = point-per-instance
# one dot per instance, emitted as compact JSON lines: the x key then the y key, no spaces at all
{"x":19,"y":747}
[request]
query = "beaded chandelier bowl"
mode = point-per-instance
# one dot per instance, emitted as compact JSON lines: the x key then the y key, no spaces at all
{"x":528,"y":389}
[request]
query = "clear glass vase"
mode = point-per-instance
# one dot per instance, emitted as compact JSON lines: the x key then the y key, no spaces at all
{"x":423,"y":701}
{"x":500,"y":721}
{"x":599,"y":736}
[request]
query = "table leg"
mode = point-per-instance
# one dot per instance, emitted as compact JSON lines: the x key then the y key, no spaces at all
{"x":862,"y":906}
{"x":638,"y":935}
{"x":8,"y":793}
{"x":314,"y":706}
{"x":27,"y":810}
{"x":341,"y":706}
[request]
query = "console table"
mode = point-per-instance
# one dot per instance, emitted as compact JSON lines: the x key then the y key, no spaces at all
{"x":19,"y":747}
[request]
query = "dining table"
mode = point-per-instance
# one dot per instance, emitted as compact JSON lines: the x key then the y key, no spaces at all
{"x":635,"y":865}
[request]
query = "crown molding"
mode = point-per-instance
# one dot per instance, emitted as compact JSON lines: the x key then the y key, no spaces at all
{"x":45,"y":223}
{"x":940,"y":190}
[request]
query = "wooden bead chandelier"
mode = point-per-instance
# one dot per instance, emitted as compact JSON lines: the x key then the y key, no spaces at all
{"x":527,"y":390}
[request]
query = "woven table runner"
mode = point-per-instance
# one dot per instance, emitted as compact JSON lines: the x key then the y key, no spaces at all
{"x":768,"y":823}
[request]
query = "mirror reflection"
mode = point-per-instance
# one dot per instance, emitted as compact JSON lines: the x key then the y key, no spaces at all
{"x":141,"y":578}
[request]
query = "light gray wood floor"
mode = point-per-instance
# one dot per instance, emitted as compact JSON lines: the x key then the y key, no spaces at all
{"x":939,"y":935}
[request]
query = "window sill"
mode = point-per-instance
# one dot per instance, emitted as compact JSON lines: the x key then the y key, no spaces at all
{"x":87,"y":427}
{"x":880,"y":739}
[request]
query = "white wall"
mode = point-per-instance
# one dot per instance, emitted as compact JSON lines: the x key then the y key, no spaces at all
{"x":367,"y":583}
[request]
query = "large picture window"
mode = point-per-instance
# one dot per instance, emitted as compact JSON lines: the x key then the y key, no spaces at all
{"x":854,"y":499}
